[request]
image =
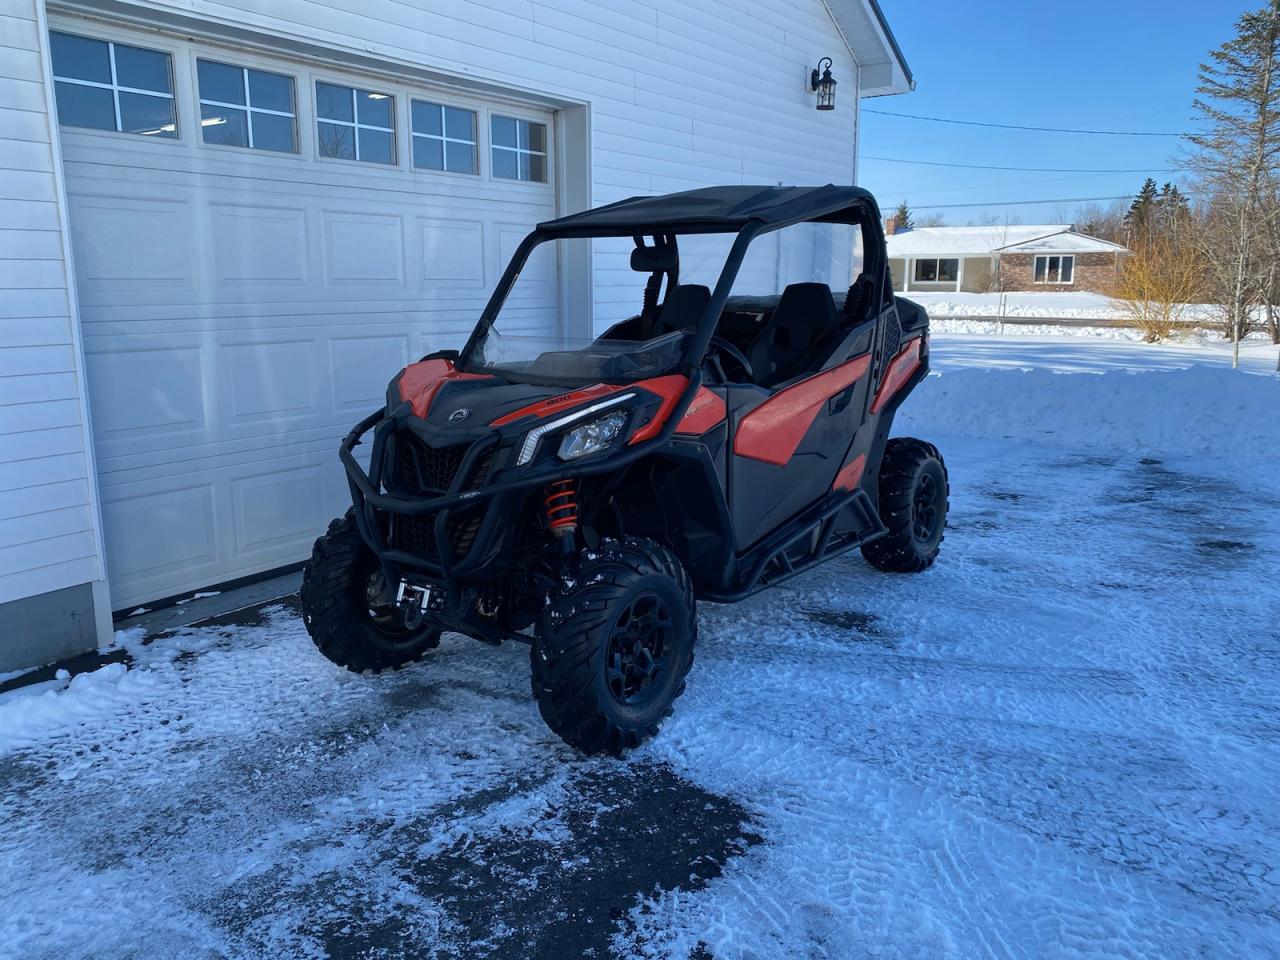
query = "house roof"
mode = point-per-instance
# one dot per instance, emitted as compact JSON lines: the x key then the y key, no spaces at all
{"x":975,"y":241}
{"x":712,"y":209}
{"x":881,"y":66}
{"x":1069,"y":242}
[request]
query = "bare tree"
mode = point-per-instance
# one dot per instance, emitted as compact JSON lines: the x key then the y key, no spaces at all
{"x":1236,"y":159}
{"x":1157,"y":280}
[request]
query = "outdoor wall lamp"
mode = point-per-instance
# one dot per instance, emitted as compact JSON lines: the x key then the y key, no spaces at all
{"x":825,"y":85}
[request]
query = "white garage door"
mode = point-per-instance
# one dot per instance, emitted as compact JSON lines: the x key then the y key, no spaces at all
{"x":260,"y":245}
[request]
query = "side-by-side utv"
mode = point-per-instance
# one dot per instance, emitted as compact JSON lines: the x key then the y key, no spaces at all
{"x":581,"y":496}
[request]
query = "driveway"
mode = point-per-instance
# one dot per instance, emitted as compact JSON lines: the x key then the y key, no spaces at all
{"x":1059,"y":741}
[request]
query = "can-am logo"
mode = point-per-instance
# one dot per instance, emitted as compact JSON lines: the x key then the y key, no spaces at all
{"x":459,"y":415}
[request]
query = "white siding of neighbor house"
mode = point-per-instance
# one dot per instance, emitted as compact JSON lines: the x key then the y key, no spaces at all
{"x":681,"y":93}
{"x":48,"y":523}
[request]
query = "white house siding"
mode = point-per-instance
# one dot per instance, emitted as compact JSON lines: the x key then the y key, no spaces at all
{"x":49,"y":544}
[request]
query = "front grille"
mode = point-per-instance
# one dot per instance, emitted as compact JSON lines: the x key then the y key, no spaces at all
{"x":420,"y":470}
{"x":416,"y":534}
{"x":424,"y":471}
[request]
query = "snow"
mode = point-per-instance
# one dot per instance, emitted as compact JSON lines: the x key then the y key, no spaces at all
{"x":1060,"y":741}
{"x":948,"y":313}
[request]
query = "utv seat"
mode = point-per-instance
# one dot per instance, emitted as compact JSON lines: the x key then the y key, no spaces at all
{"x":801,"y":323}
{"x":682,"y":309}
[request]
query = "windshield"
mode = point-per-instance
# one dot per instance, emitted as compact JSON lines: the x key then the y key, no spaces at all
{"x":576,"y":361}
{"x":640,"y":325}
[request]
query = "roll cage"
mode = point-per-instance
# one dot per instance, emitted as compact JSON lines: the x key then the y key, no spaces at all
{"x":748,"y":212}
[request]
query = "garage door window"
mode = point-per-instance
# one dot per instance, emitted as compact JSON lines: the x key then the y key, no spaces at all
{"x":444,"y":138}
{"x":112,"y":86}
{"x":240,"y":107}
{"x":356,"y":124}
{"x":519,"y":149}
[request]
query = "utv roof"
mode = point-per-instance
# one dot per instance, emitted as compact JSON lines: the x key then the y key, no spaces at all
{"x":716,"y":209}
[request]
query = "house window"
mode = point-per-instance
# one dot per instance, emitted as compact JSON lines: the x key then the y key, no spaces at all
{"x":240,"y":107}
{"x":444,"y":138}
{"x":941,"y":270}
{"x":519,"y":149}
{"x":355,"y":124}
{"x":112,"y":86}
{"x":1054,"y":269}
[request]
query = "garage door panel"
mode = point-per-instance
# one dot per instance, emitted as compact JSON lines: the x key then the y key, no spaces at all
{"x":453,"y":253}
{"x":242,"y":309}
{"x":149,"y":532}
{"x":269,"y":382}
{"x":281,"y":509}
{"x":126,"y":240}
{"x":155,"y":389}
{"x":255,"y":245}
{"x":361,"y":367}
{"x":363,"y":248}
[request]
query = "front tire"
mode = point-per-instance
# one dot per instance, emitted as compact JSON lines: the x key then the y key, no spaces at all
{"x":914,"y":497}
{"x":615,"y":647}
{"x":338,"y":584}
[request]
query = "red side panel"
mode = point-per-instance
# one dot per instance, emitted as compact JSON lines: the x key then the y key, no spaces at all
{"x":549,"y":406}
{"x":850,"y":474}
{"x":772,"y":431}
{"x":706,"y":410}
{"x":669,"y":389}
{"x":901,"y":368}
{"x":421,"y":381}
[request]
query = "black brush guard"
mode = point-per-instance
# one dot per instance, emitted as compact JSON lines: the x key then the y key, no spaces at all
{"x":367,"y":494}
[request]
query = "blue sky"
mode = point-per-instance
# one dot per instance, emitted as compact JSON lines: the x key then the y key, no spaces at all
{"x":1117,"y":65}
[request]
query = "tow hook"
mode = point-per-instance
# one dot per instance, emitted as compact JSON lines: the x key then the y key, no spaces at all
{"x":414,"y":599}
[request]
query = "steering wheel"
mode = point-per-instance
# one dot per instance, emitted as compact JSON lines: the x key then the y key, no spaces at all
{"x":724,"y":346}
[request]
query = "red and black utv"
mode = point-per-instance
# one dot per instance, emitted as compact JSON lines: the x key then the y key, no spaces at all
{"x":581,"y":495}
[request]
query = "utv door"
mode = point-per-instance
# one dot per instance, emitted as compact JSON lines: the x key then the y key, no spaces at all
{"x":787,"y":443}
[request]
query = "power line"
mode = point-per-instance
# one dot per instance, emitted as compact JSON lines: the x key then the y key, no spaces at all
{"x":1016,"y":126}
{"x":1017,"y":203}
{"x":982,"y":166}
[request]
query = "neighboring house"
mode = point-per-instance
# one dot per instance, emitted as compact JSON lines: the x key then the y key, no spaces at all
{"x":224,"y":226}
{"x":986,"y":259}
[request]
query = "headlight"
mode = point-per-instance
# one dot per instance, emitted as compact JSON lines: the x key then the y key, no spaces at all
{"x":592,"y":437}
{"x":534,"y":436}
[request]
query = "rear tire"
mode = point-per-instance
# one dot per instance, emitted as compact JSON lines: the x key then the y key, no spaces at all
{"x":615,"y":647}
{"x":335,"y":599}
{"x":914,"y":497}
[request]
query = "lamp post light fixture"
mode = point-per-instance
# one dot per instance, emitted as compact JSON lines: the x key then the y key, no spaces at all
{"x":824,"y":84}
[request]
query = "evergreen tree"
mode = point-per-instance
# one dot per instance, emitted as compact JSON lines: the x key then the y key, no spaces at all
{"x":902,"y":216}
{"x":1172,"y":209}
{"x":1142,"y":211}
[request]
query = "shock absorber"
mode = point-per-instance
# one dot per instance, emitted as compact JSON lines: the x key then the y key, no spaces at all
{"x":561,"y":504}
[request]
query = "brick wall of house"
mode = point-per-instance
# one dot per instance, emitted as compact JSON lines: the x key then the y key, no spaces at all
{"x":1094,"y":273}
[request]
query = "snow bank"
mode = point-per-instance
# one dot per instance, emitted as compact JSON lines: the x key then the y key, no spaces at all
{"x":1084,"y":306}
{"x":964,"y":324}
{"x":1078,"y":305}
{"x":1197,"y":411}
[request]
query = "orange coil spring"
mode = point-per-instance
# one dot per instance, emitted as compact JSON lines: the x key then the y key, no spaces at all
{"x":562,"y":506}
